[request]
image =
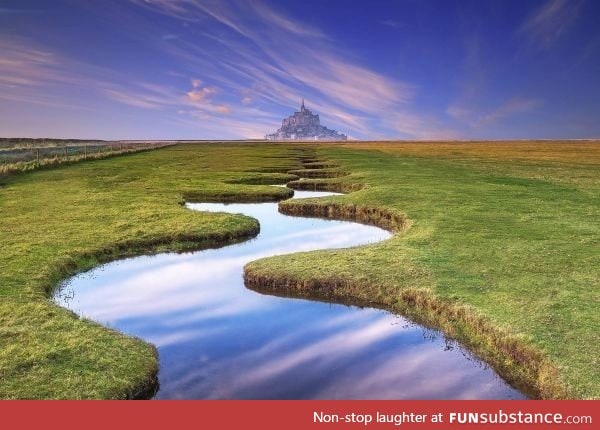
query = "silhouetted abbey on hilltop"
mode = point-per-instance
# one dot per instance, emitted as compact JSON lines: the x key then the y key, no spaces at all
{"x":304,"y":125}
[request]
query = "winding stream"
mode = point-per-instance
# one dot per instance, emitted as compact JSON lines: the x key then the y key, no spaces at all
{"x":217,"y":339}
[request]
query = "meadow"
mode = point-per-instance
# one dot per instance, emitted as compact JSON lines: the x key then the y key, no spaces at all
{"x":496,"y":244}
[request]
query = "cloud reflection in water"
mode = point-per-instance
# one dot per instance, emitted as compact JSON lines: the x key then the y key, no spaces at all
{"x":216,"y":339}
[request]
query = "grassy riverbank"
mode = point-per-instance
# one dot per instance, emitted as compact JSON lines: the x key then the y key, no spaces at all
{"x":60,"y":221}
{"x":502,"y":251}
{"x":504,"y":237}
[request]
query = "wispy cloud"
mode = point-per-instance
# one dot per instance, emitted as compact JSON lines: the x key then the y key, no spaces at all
{"x":509,"y":108}
{"x":407,"y":124}
{"x":471,"y":107}
{"x":13,"y":11}
{"x":285,"y":23}
{"x":142,"y":95}
{"x":479,"y":118}
{"x":34,"y":75}
{"x":21,"y":64}
{"x":546,"y":24}
{"x":197,"y":95}
{"x":349,"y":94}
{"x":235,"y":126}
{"x":227,"y":68}
{"x":391,"y":23}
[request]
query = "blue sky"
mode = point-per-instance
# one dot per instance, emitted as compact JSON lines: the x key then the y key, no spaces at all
{"x":196,"y":69}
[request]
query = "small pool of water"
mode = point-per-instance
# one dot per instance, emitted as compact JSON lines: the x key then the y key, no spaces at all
{"x":218,"y":340}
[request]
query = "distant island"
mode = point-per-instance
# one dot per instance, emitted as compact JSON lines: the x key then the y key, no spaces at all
{"x":304,"y":125}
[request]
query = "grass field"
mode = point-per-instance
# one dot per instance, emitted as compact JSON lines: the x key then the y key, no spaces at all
{"x":60,"y":221}
{"x":500,"y":248}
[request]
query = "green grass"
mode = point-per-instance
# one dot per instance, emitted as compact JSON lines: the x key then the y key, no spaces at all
{"x":511,"y":231}
{"x":57,"y":222}
{"x":502,"y":245}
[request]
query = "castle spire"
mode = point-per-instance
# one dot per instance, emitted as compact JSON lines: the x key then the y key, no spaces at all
{"x":302,"y":107}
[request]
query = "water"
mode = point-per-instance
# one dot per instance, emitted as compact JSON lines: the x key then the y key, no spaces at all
{"x":218,"y":340}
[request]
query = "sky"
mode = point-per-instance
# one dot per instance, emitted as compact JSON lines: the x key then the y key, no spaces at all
{"x":233,"y":69}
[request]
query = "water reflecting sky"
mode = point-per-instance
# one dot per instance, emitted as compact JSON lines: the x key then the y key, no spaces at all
{"x":217,"y":339}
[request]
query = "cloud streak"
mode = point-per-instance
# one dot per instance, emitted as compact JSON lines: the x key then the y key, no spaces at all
{"x":228,"y":69}
{"x":550,"y":21}
{"x":185,"y":68}
{"x":348,"y":94}
{"x":478,"y":118}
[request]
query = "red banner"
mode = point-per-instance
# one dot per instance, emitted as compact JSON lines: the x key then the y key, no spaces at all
{"x":318,"y":415}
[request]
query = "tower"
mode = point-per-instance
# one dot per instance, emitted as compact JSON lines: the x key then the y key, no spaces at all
{"x":302,"y":108}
